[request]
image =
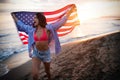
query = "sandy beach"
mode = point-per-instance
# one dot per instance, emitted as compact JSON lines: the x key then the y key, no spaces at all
{"x":89,"y":59}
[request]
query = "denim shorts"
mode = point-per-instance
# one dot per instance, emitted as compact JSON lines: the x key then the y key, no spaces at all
{"x":42,"y":55}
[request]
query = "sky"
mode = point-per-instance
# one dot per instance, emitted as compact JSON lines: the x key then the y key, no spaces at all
{"x":34,"y":4}
{"x":86,"y":8}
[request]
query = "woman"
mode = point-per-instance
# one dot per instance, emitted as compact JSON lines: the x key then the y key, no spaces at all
{"x":40,"y":35}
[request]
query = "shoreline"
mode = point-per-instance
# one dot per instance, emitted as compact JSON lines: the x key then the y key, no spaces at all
{"x":17,"y":60}
{"x":91,"y":37}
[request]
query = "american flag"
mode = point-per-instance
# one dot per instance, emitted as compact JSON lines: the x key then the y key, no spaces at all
{"x":53,"y":16}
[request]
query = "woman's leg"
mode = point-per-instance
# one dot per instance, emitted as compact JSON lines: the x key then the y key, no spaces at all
{"x":35,"y":68}
{"x":47,"y":69}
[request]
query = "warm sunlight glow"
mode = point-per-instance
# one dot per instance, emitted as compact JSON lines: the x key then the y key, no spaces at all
{"x":87,"y":11}
{"x":97,"y":9}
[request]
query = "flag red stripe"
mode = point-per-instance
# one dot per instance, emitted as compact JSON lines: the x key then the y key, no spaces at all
{"x":71,"y":23}
{"x":67,"y":29}
{"x":57,"y":11}
{"x":63,"y":30}
{"x":24,"y":38}
{"x":53,"y":19}
{"x":20,"y":34}
{"x":25,"y":42}
{"x":60,"y":35}
{"x":72,"y":17}
{"x":58,"y":17}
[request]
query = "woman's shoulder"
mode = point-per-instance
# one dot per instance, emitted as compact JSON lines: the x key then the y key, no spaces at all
{"x":49,"y":26}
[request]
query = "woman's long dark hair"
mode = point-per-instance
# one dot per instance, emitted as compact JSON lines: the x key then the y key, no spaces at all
{"x":42,"y":19}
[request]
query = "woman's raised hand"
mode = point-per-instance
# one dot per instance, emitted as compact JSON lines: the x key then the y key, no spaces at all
{"x":15,"y":18}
